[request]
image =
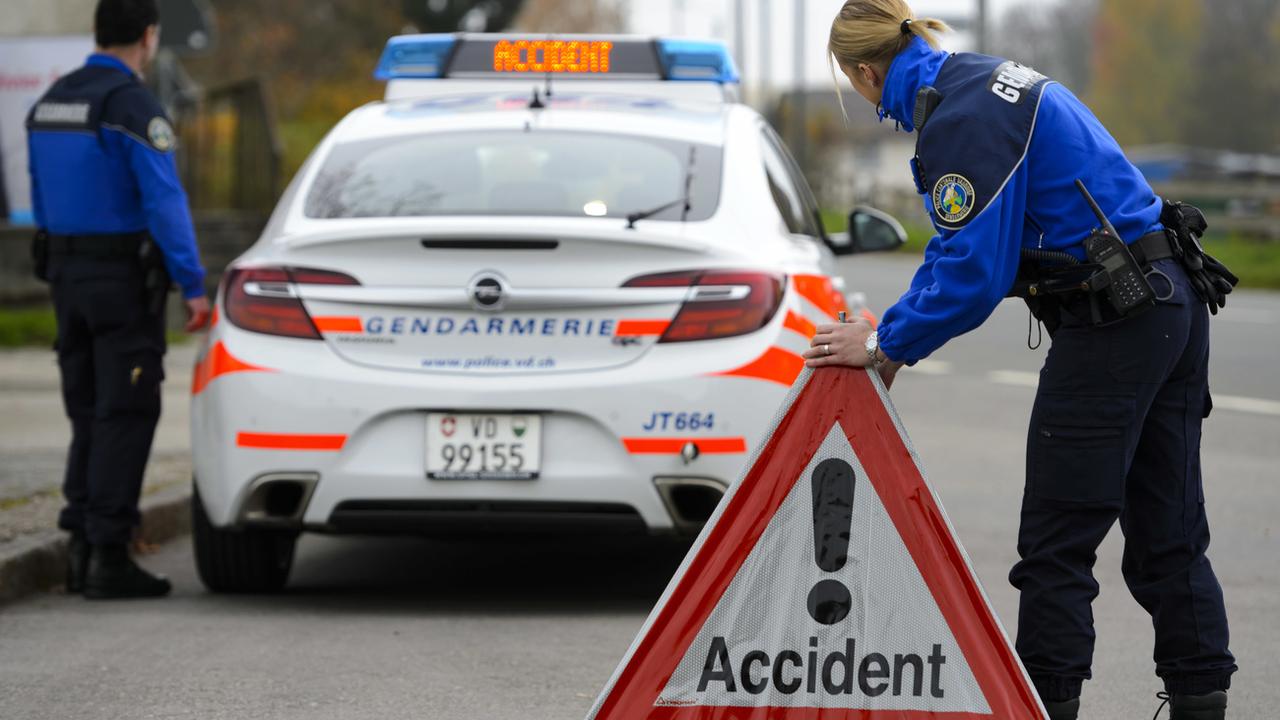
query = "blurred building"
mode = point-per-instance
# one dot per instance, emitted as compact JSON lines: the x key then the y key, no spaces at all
{"x":39,"y":41}
{"x":858,"y":160}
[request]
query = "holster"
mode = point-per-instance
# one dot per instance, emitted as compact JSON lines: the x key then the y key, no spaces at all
{"x":40,"y":255}
{"x":155,"y":276}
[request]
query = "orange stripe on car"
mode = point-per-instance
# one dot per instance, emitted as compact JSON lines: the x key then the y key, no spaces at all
{"x":290,"y":441}
{"x":636,"y":328}
{"x":673,"y":446}
{"x":216,"y":363}
{"x":339,"y":324}
{"x":775,"y":365}
{"x":800,"y":324}
{"x":819,"y":290}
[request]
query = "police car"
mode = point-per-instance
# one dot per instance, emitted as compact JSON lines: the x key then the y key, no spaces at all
{"x":547,"y":285}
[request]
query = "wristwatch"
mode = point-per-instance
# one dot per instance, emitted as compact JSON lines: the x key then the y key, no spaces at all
{"x":873,"y":349}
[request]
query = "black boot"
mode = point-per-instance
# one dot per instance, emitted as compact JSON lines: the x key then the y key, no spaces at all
{"x":113,"y":574}
{"x":77,"y":563}
{"x":1065,"y":710}
{"x":1212,"y":706}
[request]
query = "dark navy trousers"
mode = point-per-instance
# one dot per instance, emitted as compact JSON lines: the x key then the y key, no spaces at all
{"x":110,"y":349}
{"x":1115,"y":435}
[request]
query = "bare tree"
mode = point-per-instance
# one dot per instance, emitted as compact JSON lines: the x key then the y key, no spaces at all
{"x":469,"y":15}
{"x":573,"y":16}
{"x":1055,"y":39}
{"x":1236,"y":91}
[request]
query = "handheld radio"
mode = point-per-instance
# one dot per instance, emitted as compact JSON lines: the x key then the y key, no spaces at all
{"x":1121,"y":276}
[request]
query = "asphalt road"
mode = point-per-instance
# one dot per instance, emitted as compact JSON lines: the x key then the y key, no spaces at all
{"x":380,"y":628}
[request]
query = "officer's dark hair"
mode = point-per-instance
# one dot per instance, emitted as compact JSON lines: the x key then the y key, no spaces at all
{"x":123,"y":22}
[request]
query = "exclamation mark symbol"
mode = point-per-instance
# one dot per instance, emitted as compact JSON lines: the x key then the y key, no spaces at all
{"x":833,"y":485}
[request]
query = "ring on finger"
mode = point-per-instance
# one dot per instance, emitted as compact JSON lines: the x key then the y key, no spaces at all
{"x":826,"y":349}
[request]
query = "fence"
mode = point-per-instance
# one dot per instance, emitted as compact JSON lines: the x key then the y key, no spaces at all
{"x":231,"y":154}
{"x":1243,"y":207}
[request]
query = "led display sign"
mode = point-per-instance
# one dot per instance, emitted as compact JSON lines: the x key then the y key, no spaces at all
{"x":552,"y":56}
{"x":583,"y":57}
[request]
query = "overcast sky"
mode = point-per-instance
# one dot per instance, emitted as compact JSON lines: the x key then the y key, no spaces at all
{"x":714,"y":18}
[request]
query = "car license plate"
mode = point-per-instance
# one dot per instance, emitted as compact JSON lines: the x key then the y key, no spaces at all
{"x":483,"y":447}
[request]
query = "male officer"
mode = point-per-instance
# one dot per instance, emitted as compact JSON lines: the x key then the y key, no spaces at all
{"x":114,"y":227}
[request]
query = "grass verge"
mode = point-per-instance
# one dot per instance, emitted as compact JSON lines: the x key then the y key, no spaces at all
{"x":21,"y":327}
{"x":38,"y":327}
{"x":1257,"y":262}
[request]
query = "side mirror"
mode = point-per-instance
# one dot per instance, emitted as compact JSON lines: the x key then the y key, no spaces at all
{"x":871,"y":230}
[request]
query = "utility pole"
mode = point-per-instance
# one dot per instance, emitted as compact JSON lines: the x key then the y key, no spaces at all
{"x":799,"y":140}
{"x":740,"y":33}
{"x":766,"y":54}
{"x":980,"y":33}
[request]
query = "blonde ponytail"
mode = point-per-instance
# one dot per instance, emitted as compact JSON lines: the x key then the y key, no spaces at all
{"x":875,"y":31}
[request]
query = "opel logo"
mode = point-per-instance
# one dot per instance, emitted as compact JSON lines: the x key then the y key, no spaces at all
{"x":487,"y":293}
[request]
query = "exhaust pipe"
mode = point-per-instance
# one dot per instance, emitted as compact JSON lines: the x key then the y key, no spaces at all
{"x":278,"y":499}
{"x":690,"y":501}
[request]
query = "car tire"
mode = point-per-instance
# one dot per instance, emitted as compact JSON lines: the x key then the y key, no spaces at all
{"x":250,"y":560}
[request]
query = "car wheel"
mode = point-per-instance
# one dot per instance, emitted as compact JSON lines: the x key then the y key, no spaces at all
{"x":250,"y":560}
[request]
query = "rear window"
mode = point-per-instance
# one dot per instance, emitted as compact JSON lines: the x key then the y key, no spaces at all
{"x":532,"y":172}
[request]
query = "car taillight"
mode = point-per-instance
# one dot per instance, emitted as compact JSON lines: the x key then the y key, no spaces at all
{"x":264,"y":299}
{"x":720,"y":303}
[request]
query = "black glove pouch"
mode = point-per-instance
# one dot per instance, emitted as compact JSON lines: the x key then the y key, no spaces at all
{"x":1211,"y":280}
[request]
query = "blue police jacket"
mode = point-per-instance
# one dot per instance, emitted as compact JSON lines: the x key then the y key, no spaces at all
{"x":997,"y":162}
{"x":101,"y":162}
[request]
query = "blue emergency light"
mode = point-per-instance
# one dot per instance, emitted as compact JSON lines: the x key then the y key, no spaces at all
{"x":705,"y":60}
{"x":415,"y":56}
{"x":577,"y":56}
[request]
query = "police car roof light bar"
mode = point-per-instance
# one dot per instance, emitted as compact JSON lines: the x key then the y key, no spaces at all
{"x":440,"y":55}
{"x":415,"y":56}
{"x":697,"y":60}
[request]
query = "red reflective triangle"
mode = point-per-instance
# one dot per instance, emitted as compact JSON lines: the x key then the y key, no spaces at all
{"x":845,"y":402}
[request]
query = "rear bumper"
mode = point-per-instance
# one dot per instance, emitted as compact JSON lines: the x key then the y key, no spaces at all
{"x":467,"y":518}
{"x":361,"y":433}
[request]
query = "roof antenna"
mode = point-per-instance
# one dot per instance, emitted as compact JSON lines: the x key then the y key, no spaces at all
{"x":536,"y":103}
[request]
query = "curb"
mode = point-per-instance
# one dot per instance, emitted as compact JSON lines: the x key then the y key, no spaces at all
{"x":37,"y":562}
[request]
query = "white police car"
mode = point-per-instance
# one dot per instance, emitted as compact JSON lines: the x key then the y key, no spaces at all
{"x":549,"y":285}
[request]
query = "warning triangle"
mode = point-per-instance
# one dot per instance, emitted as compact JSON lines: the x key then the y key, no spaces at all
{"x":828,"y":584}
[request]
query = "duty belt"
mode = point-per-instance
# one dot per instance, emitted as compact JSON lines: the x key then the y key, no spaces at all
{"x":1053,"y":272}
{"x":123,"y":245}
{"x":1151,"y":247}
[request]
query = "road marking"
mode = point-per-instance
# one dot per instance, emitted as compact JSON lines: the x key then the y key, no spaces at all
{"x":1245,"y":404}
{"x":1235,"y":403}
{"x":932,"y":367}
{"x":1017,"y":378}
{"x":1251,"y":316}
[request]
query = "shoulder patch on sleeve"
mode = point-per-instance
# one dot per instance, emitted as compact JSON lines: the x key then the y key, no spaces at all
{"x":953,"y":198}
{"x":160,"y":133}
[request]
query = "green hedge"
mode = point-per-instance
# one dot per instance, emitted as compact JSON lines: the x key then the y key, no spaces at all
{"x":27,"y":326}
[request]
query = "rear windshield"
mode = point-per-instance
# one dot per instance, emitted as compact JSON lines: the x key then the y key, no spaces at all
{"x":511,"y":172}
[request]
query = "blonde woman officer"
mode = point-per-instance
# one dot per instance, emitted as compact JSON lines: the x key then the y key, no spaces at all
{"x":1115,"y":429}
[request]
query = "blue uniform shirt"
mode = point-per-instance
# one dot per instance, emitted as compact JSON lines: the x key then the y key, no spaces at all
{"x":101,"y":162}
{"x":997,"y":163}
